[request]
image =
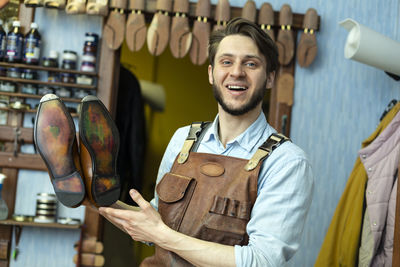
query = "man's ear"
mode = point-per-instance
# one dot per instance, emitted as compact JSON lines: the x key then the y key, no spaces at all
{"x":210,"y":75}
{"x":270,"y":79}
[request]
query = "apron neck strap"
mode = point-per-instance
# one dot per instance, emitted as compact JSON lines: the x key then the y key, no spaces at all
{"x":273,"y":141}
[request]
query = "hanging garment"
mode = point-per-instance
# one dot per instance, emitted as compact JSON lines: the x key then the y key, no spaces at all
{"x":380,"y":160}
{"x":341,"y":243}
{"x":130,"y":122}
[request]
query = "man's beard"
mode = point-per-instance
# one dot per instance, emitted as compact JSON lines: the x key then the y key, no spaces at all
{"x":255,"y":99}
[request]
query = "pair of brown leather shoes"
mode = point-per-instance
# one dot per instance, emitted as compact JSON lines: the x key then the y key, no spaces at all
{"x":87,"y":172}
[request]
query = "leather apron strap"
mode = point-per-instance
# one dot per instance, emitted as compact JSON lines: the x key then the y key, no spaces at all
{"x":193,"y":137}
{"x":273,"y":141}
{"x":196,"y":133}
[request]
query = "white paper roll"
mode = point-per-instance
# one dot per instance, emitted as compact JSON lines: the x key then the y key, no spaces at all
{"x":372,"y":48}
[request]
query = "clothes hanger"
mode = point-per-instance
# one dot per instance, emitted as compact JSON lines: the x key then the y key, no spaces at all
{"x":388,"y":108}
{"x":394,"y":76}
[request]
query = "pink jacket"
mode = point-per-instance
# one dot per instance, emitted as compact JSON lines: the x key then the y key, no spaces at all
{"x":381,"y":159}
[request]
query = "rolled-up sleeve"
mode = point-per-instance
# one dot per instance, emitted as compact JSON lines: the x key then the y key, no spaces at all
{"x":279,"y":213}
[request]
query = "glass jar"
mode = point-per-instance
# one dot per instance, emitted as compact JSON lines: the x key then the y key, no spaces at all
{"x":68,"y":78}
{"x":80,"y":93}
{"x":53,"y":77}
{"x":43,"y":90}
{"x":63,"y":92}
{"x":14,"y":73}
{"x":18,"y":104}
{"x":70,"y":55}
{"x":88,"y":67}
{"x":83,"y":79}
{"x":8,"y":87}
{"x":69,"y":60}
{"x":68,"y":64}
{"x":29,"y":74}
{"x":91,"y":38}
{"x":50,"y":62}
{"x":29,"y":89}
{"x":89,"y":58}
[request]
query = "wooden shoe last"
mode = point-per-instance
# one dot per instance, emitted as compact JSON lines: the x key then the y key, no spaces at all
{"x":201,"y":32}
{"x":99,"y":145}
{"x":97,"y":7}
{"x":135,"y":35}
{"x":114,"y":29}
{"x":89,"y":259}
{"x":285,"y":40}
{"x":266,"y":19}
{"x":59,"y":4}
{"x":307,"y":47}
{"x":249,"y":11}
{"x":159,"y":29}
{"x":33,"y":3}
{"x":89,"y":245}
{"x":55,"y":139}
{"x":75,"y":7}
{"x":181,"y":36}
{"x":222,"y":14}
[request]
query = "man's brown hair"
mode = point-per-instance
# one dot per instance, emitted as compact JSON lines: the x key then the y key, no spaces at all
{"x":247,"y":28}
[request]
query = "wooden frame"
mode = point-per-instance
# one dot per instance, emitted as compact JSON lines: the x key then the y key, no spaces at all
{"x":10,"y":164}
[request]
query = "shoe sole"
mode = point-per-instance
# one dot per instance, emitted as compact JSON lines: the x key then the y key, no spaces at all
{"x":100,"y":137}
{"x":54,"y":136}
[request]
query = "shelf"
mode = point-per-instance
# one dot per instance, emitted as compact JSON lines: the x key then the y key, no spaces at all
{"x":18,"y":110}
{"x":75,"y":100}
{"x":7,"y":134}
{"x":22,"y":161}
{"x":74,"y":85}
{"x":46,"y":225}
{"x":41,"y":68}
{"x":29,"y":111}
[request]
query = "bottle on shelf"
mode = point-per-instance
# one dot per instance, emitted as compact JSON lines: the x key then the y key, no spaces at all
{"x":3,"y":41}
{"x":52,"y":62}
{"x":3,"y":204}
{"x":14,"y":44}
{"x":31,"y":53}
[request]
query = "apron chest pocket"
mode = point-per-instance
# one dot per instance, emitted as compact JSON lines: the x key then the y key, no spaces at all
{"x":174,"y":192}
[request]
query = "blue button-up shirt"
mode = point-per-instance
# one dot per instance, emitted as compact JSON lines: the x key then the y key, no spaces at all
{"x":284,"y":192}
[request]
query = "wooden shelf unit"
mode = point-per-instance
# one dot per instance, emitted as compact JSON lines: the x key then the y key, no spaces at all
{"x":106,"y":80}
{"x":46,"y":83}
{"x":21,"y":95}
{"x":50,"y":84}
{"x":41,"y":68}
{"x":29,"y":111}
{"x":22,"y":161}
{"x":44,"y":225}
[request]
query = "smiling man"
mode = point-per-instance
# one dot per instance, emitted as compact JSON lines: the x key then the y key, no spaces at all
{"x":234,"y":192}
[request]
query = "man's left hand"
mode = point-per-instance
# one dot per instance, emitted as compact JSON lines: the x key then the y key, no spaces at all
{"x":142,"y":225}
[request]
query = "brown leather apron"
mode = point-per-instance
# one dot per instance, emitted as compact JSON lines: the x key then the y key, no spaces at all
{"x":209,"y":197}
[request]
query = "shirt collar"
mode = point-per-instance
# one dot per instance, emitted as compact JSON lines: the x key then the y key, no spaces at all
{"x":248,"y":139}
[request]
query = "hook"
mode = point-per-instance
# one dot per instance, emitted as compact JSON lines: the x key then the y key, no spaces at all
{"x":17,"y":133}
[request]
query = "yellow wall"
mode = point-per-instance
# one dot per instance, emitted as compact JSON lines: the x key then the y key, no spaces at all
{"x":188,"y":98}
